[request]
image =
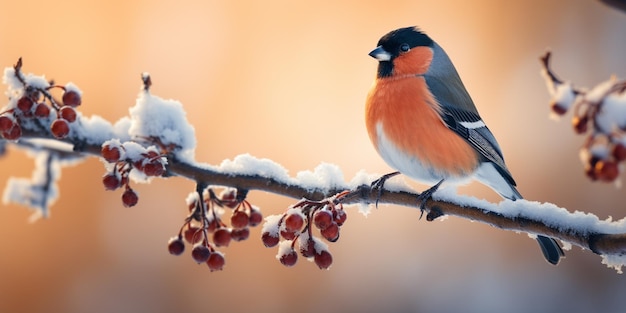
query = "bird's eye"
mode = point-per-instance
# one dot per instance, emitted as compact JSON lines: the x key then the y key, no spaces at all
{"x":405,"y":47}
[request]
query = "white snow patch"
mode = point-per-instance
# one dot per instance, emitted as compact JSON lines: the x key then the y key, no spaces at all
{"x":612,"y":113}
{"x":600,"y":91}
{"x":271,"y":224}
{"x":154,"y":117}
{"x":70,"y":87}
{"x":245,"y":164}
{"x":325,"y":176}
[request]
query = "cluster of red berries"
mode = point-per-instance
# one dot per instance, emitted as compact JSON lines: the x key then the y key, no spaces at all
{"x":126,"y":157}
{"x":205,"y":230}
{"x":296,"y":225}
{"x":32,"y":104}
{"x":598,"y":114}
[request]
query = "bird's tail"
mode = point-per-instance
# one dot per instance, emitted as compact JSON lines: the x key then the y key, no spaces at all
{"x":550,"y":248}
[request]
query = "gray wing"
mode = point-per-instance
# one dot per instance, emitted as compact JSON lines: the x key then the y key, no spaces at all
{"x":460,"y":115}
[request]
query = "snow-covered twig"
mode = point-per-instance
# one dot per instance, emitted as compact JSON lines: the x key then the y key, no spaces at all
{"x":157,"y":141}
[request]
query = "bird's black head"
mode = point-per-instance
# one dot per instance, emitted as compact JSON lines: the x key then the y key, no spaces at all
{"x":395,"y":44}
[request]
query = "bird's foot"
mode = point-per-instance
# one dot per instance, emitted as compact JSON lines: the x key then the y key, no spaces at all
{"x":379,"y":184}
{"x":426,"y":195}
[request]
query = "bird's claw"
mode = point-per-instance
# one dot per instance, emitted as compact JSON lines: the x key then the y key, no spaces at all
{"x":379,"y":185}
{"x":425,"y":196}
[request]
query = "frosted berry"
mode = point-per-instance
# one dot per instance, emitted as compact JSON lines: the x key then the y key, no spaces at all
{"x":606,"y":171}
{"x":229,"y":198}
{"x":42,"y":110}
{"x":6,"y":123}
{"x":308,"y":249}
{"x":239,"y":219}
{"x":59,"y":128}
{"x":216,"y":261}
{"x":619,"y":152}
{"x":269,"y":240}
{"x":110,"y":153}
{"x":153,"y":168}
{"x":129,"y":198}
{"x":323,"y":259}
{"x":213,"y":225}
{"x":294,"y":222}
{"x":221,"y":237}
{"x":322,"y":219}
{"x":71,"y":98}
{"x":331,"y":233}
{"x":111,"y":181}
{"x":289,"y":235}
{"x":240,"y":234}
{"x":13,"y":133}
{"x":67,"y":113}
{"x":193,"y":235}
{"x":200,"y":253}
{"x":340,"y":216}
{"x":25,"y":104}
{"x":176,"y":246}
{"x":558,"y":108}
{"x":289,"y":259}
{"x":255,"y":217}
{"x":580,"y":124}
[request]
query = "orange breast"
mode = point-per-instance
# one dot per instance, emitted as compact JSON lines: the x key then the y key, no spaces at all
{"x":409,"y":120}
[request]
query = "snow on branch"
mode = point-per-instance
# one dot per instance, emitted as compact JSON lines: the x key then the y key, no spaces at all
{"x":156,"y":140}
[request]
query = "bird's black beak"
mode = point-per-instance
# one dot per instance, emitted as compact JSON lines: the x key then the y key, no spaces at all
{"x":380,"y":54}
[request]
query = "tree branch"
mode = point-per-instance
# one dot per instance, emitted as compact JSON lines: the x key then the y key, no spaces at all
{"x":157,"y":140}
{"x":564,"y":229}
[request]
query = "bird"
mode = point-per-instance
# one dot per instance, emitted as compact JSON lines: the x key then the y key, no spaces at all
{"x":424,"y":124}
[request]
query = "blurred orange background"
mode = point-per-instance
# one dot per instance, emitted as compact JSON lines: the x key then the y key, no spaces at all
{"x":287,"y":80}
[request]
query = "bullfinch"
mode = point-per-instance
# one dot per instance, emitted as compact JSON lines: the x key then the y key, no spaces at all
{"x":424,"y":124}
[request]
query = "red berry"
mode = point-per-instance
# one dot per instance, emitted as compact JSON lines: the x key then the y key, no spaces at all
{"x":619,"y":152}
{"x":255,"y":217}
{"x":308,"y":249}
{"x":153,"y":168}
{"x":67,"y":113}
{"x":606,"y":171}
{"x":222,"y":237}
{"x":176,"y":246}
{"x":558,"y":108}
{"x":129,"y":198}
{"x":340,"y":216}
{"x":71,"y":98}
{"x":289,"y":235}
{"x":240,"y":234}
{"x":294,"y":222}
{"x":289,"y":259}
{"x":111,"y":153}
{"x":229,"y":198}
{"x":216,"y":261}
{"x":25,"y":104}
{"x":239,"y":219}
{"x":322,"y":219}
{"x":13,"y":133}
{"x":111,"y":181}
{"x":60,"y":128}
{"x":331,"y":233}
{"x":269,"y":240}
{"x":323,"y":259}
{"x":42,"y":110}
{"x":6,"y":123}
{"x":200,"y":253}
{"x":580,"y":124}
{"x":213,"y":225}
{"x":193,"y":235}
